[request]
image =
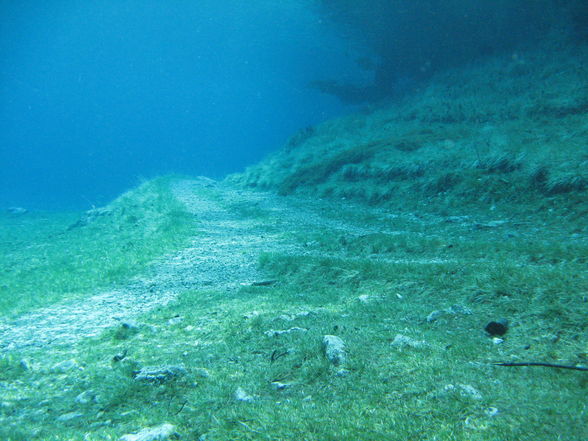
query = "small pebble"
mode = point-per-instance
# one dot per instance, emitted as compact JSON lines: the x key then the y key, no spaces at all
{"x":241,"y":395}
{"x":69,"y":416}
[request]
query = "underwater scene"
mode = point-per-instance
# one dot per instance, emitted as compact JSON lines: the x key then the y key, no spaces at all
{"x":319,"y":220}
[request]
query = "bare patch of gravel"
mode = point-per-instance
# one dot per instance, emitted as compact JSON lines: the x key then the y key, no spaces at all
{"x":223,"y":254}
{"x":234,"y":227}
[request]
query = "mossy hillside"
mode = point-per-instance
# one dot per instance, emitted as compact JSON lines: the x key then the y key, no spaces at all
{"x":51,"y":256}
{"x":532,"y":276}
{"x":506,"y":131}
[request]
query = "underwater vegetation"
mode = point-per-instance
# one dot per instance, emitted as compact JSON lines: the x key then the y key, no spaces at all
{"x":473,"y":135}
{"x":417,"y":271}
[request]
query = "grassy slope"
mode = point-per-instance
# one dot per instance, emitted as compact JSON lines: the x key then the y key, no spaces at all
{"x":505,"y":131}
{"x":47,"y":257}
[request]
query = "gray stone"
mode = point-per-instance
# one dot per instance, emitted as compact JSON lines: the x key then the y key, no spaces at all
{"x":342,"y":373}
{"x":69,"y":416}
{"x":491,"y":411}
{"x":160,"y":374}
{"x":434,"y":316}
{"x":402,"y":341}
{"x":452,"y":310}
{"x":160,"y":433}
{"x":366,"y":298}
{"x":334,"y":349}
{"x":175,"y":320}
{"x":200,"y":372}
{"x":292,"y":317}
{"x":459,"y":309}
{"x":67,"y":365}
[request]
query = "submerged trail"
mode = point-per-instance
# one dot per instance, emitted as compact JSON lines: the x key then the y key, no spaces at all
{"x":234,"y":227}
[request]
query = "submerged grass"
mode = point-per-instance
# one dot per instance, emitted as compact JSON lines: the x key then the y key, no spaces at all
{"x":366,"y":289}
{"x":47,"y":257}
{"x":475,"y":135}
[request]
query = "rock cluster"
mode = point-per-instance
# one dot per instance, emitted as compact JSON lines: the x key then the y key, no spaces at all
{"x":159,"y":374}
{"x":160,"y":433}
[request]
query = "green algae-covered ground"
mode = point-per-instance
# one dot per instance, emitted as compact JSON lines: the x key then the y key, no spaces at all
{"x":49,"y":256}
{"x":505,"y":131}
{"x":366,"y":275}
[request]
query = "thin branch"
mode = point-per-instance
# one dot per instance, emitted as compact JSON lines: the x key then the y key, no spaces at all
{"x":558,"y":366}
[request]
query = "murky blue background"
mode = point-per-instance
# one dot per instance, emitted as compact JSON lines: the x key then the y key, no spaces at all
{"x":96,"y":95}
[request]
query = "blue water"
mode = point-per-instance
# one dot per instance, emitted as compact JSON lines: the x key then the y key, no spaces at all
{"x":95,"y":95}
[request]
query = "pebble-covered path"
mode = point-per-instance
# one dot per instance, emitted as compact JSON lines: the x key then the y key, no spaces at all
{"x":222,"y":255}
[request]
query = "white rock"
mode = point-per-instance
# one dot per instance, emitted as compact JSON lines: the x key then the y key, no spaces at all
{"x":364,"y":298}
{"x":159,"y":433}
{"x":277,"y":385}
{"x":241,"y":395}
{"x":334,"y":349}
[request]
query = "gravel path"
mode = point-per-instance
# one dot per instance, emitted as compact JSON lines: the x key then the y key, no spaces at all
{"x":234,"y":226}
{"x":223,"y":254}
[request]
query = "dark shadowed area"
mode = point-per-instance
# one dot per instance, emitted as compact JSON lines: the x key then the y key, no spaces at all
{"x":406,"y":41}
